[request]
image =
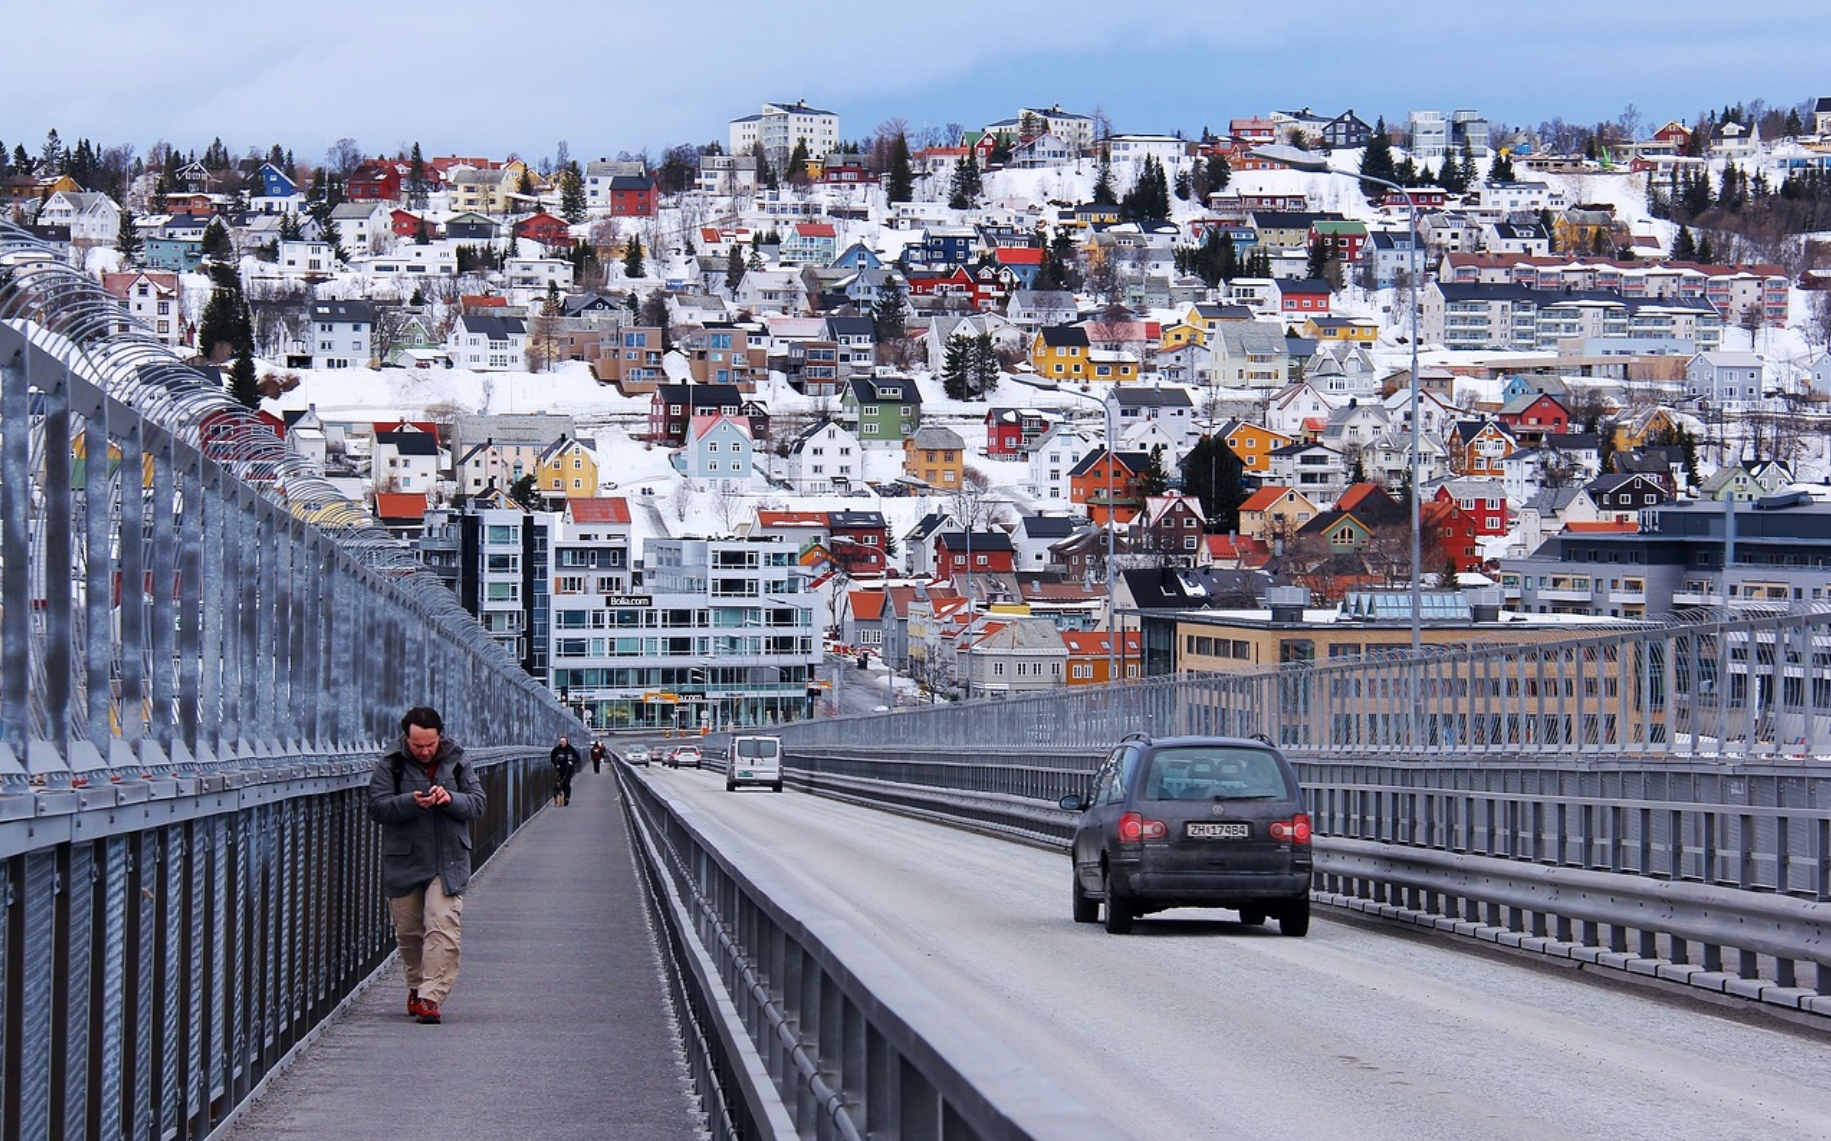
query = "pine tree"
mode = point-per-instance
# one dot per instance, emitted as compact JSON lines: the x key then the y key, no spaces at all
{"x":51,"y":158}
{"x":797,"y":164}
{"x":1215,"y":476}
{"x":887,"y":317}
{"x":1502,"y":169}
{"x":1103,"y":192}
{"x":244,"y":389}
{"x":1376,"y":162}
{"x":734,"y":270}
{"x":1684,"y":247}
{"x":1155,"y":479}
{"x":986,"y":371}
{"x":899,"y":181}
{"x":956,"y":368}
{"x":964,"y":190}
{"x":1220,"y":173}
{"x":127,"y":240}
{"x":632,"y":258}
{"x":571,"y":196}
{"x":416,"y":179}
{"x":216,"y":245}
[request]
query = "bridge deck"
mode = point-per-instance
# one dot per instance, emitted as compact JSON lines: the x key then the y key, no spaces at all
{"x":558,"y":1027}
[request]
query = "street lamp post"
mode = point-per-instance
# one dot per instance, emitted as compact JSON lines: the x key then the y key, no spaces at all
{"x":1298,"y":159}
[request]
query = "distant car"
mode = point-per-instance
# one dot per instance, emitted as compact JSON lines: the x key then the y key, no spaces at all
{"x":684,"y":756}
{"x":1192,"y":822}
{"x":753,"y":760}
{"x":636,"y":754}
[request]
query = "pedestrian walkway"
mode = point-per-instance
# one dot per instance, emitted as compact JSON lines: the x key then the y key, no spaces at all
{"x":558,"y":1027}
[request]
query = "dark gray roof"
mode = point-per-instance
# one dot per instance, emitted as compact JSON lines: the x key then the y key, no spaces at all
{"x":411,"y":443}
{"x":495,"y":328}
{"x":1048,"y":526}
{"x":855,"y":519}
{"x":347,"y":311}
{"x":1132,"y":396}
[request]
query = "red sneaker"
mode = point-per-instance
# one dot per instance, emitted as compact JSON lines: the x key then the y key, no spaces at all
{"x":413,"y":1003}
{"x":429,"y":1013}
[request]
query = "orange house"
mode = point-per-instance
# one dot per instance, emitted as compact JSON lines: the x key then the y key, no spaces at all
{"x":1254,"y":445}
{"x":1106,"y":483}
{"x":1090,"y":657}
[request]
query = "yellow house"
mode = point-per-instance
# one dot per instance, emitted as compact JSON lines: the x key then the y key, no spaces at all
{"x":1273,"y":511}
{"x":567,"y":468}
{"x":1254,"y":445}
{"x":936,"y":456}
{"x":1060,"y":353}
{"x":1339,"y":330}
{"x":1180,"y":334}
{"x":1638,"y":431}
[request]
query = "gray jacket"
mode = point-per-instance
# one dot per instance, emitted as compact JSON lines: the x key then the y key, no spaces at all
{"x":419,"y":843}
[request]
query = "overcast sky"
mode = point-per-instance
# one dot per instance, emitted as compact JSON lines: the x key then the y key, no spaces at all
{"x":468,"y":77}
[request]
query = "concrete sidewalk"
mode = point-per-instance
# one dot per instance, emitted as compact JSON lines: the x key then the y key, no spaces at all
{"x":558,"y":1027}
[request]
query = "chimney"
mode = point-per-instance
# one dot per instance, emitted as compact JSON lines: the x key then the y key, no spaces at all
{"x":1287,"y":603}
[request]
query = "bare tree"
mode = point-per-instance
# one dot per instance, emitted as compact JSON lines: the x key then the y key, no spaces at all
{"x":343,"y":156}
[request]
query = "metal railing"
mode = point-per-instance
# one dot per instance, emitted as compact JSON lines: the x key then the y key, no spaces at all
{"x":1713,"y":689}
{"x":1594,"y":793}
{"x":798,"y":1026}
{"x":202,"y":646}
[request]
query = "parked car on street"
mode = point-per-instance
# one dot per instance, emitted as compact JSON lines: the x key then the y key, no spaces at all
{"x":1192,"y":822}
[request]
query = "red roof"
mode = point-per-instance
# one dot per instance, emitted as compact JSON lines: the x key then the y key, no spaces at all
{"x":816,"y":230}
{"x":791,"y":519}
{"x":607,"y":509}
{"x":383,"y":427}
{"x":1019,"y":255}
{"x":400,"y":504}
{"x":1603,"y":527}
{"x":1263,"y":498}
{"x":867,"y":605}
{"x":1094,"y":643}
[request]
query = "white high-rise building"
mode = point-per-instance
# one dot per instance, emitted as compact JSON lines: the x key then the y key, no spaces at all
{"x":779,"y":126}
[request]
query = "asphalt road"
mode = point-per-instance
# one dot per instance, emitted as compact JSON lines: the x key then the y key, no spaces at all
{"x":1198,"y":1027}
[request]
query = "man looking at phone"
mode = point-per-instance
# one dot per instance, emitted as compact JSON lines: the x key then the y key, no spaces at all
{"x":424,"y":794}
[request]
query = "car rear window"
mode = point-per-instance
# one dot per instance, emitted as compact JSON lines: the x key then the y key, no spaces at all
{"x":754,"y":747}
{"x":1203,"y":773}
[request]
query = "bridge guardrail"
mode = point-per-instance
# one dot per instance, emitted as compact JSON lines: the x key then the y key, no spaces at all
{"x":169,"y":940}
{"x":850,"y":1045}
{"x":1619,"y":865}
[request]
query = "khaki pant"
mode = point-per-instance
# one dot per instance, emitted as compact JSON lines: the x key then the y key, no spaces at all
{"x":426,"y":926}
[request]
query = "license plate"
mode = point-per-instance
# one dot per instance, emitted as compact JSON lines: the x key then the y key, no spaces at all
{"x":1202,"y":830}
{"x":744,"y":774}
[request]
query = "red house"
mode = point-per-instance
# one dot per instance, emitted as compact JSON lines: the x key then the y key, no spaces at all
{"x":378,"y":181}
{"x":406,"y":224}
{"x":858,"y":541}
{"x":1009,"y":432}
{"x":1450,"y":536}
{"x":1480,"y":501}
{"x":1534,"y":416}
{"x":1307,"y":298}
{"x":633,"y":196}
{"x":545,"y":229}
{"x":1426,"y":198}
{"x":990,"y":552}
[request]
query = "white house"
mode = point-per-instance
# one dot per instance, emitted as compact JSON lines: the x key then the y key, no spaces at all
{"x":1295,"y":404}
{"x":771,"y":291}
{"x":306,"y":259}
{"x":1166,"y":149}
{"x":342,"y":335}
{"x":1820,"y":376}
{"x":537,"y":273}
{"x":363,"y":227}
{"x":405,"y":461}
{"x":152,"y":298}
{"x":90,"y":217}
{"x":487,"y":344}
{"x":599,"y":172}
{"x":1052,"y":460}
{"x":1033,"y":309}
{"x":1169,"y":408}
{"x":434,"y":259}
{"x":779,"y":126}
{"x":824,"y":459}
{"x":1728,"y":381}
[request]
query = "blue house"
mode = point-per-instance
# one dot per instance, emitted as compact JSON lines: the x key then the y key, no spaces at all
{"x":858,"y":256}
{"x":943,"y":246}
{"x":274,"y":183}
{"x":176,"y":255}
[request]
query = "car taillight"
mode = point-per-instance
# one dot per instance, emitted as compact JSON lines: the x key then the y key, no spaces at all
{"x":1296,"y":830}
{"x":1134,"y":827}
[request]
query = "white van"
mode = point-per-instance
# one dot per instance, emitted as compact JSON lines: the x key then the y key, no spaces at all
{"x":754,"y":760}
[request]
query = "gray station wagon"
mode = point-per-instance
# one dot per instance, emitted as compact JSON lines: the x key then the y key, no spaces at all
{"x":1192,"y":822}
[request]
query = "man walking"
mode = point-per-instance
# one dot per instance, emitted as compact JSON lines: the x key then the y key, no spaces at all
{"x":598,"y":753}
{"x":424,"y":794}
{"x":565,"y":760}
